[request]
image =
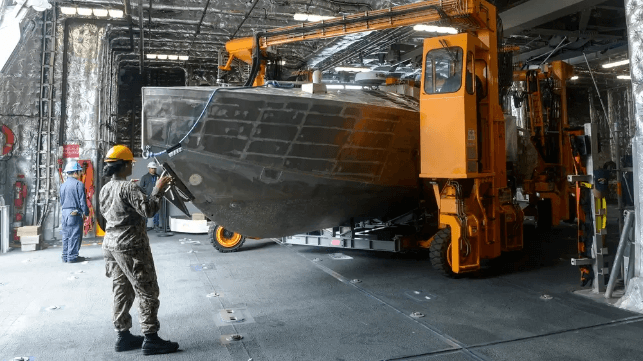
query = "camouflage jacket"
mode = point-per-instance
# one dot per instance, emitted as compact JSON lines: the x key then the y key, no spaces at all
{"x":126,"y":209}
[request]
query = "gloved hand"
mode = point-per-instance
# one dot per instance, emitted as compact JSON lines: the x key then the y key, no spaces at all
{"x":162,"y":182}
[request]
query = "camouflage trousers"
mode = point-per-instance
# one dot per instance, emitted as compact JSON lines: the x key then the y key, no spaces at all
{"x":133,"y":274}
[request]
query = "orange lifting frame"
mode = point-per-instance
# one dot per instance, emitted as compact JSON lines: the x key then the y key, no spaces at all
{"x":463,"y":14}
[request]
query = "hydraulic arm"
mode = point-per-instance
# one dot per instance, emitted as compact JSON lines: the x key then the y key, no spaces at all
{"x":462,"y":14}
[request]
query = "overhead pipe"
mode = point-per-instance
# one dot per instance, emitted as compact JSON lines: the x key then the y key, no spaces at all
{"x":128,"y":14}
{"x":180,"y":31}
{"x":141,"y":36}
{"x":618,"y":258}
{"x":205,"y":10}
{"x":242,"y":20}
{"x":596,"y":85}
{"x":191,"y":8}
{"x":166,"y":40}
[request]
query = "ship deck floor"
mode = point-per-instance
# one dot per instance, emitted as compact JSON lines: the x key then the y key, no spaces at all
{"x":299,"y":304}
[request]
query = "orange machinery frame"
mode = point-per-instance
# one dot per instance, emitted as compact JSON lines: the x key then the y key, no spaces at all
{"x":463,"y":14}
{"x":549,"y":179}
{"x":474,"y":202}
{"x":462,"y":139}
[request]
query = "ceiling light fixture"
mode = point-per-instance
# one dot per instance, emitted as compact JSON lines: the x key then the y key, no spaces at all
{"x":101,"y":13}
{"x":68,"y":10}
{"x":115,"y":13}
{"x":436,"y":29}
{"x":300,"y":17}
{"x":183,"y":57}
{"x":349,"y":69}
{"x":150,"y":56}
{"x":311,"y":17}
{"x":575,"y":77}
{"x":172,"y":57}
{"x":318,"y":17}
{"x":161,"y":57}
{"x":616,"y":63}
{"x":624,"y":77}
{"x":84,"y":11}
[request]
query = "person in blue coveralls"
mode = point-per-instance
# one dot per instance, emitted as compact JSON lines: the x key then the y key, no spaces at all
{"x":74,"y":209}
{"x":147,"y":184}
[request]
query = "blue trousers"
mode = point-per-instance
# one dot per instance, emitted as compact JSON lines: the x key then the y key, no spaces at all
{"x":156,"y":219}
{"x":71,"y":231}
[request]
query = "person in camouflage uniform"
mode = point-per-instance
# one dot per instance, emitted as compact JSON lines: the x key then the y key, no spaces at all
{"x":128,"y":257}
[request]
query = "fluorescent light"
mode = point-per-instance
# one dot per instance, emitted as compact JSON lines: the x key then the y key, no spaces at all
{"x":575,"y":77}
{"x":435,"y":29}
{"x":101,"y":13}
{"x":356,"y":70}
{"x":68,"y":10}
{"x":172,"y":57}
{"x":183,"y":57}
{"x":354,"y":87}
{"x":116,"y":13}
{"x":150,"y":56}
{"x":335,"y":86}
{"x":616,"y":63}
{"x":312,"y":17}
{"x":84,"y":11}
{"x":283,"y":62}
{"x":300,"y":17}
{"x":161,"y":57}
{"x":625,"y":77}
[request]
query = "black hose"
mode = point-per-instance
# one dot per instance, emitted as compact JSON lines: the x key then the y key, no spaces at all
{"x":256,"y":60}
{"x":345,"y":3}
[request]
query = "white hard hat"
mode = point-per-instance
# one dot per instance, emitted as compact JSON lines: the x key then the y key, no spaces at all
{"x":152,"y":165}
{"x":72,"y":167}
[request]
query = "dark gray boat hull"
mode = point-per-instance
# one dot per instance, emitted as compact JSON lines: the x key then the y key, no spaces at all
{"x":274,"y":162}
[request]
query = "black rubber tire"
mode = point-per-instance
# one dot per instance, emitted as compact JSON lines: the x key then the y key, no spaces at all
{"x":212,"y":233}
{"x":438,"y":252}
{"x":545,"y":217}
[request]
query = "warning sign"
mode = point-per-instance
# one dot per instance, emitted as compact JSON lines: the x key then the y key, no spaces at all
{"x":71,"y":151}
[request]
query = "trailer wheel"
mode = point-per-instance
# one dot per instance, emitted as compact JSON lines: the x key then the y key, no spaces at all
{"x":440,"y":252}
{"x":223,"y":240}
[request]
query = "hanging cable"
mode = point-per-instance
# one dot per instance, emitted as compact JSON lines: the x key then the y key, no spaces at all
{"x":147,"y":152}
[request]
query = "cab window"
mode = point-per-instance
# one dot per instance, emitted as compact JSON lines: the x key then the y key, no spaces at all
{"x":443,"y":70}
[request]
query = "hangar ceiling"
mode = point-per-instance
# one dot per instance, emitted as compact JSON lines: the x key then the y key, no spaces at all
{"x":541,"y":29}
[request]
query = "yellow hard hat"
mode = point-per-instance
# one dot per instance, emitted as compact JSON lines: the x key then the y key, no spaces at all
{"x":119,"y":152}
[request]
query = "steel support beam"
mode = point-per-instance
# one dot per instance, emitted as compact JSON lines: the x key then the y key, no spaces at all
{"x":604,"y":52}
{"x":634,"y":18}
{"x":537,"y":12}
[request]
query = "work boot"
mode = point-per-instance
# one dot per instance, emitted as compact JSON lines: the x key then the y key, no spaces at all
{"x":154,"y":345}
{"x":127,"y":342}
{"x":78,"y":259}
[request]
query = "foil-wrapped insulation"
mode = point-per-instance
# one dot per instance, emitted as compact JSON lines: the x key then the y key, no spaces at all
{"x":86,"y":79}
{"x":634,"y":19}
{"x":28,"y":25}
{"x":367,"y":45}
{"x":19,"y":111}
{"x":335,"y":45}
{"x":83,"y":75}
